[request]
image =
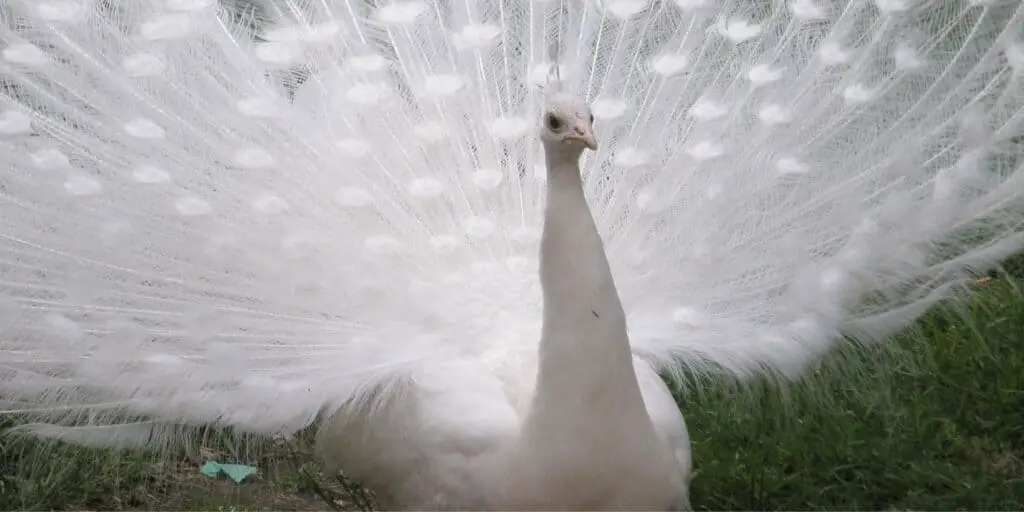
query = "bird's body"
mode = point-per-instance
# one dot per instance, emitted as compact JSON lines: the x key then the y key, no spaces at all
{"x":560,"y":446}
{"x":455,"y":441}
{"x":382,"y":218}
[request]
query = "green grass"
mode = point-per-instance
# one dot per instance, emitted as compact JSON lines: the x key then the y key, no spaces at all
{"x":934,"y":419}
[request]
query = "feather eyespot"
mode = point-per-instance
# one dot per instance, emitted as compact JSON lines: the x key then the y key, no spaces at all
{"x":554,"y":123}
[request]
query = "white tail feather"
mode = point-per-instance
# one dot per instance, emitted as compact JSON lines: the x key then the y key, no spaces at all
{"x":202,"y":226}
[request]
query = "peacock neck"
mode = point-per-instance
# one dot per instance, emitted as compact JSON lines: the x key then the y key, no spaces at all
{"x":585,"y":364}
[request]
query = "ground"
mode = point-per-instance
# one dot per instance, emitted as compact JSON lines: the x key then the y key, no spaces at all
{"x":933,"y":419}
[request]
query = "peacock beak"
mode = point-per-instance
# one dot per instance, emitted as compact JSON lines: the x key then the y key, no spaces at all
{"x":585,"y":135}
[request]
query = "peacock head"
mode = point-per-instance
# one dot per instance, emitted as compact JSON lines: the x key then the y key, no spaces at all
{"x":568,"y":123}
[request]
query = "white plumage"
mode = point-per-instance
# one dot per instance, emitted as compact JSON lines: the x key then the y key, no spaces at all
{"x":341,"y":217}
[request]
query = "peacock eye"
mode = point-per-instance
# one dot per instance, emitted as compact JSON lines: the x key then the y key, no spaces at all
{"x":554,"y":123}
{"x":591,"y":118}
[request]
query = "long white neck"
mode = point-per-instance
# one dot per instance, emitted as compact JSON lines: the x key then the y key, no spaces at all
{"x":587,"y":426}
{"x":585,"y":371}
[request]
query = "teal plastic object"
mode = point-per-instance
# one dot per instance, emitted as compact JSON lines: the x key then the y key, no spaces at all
{"x":236,"y":472}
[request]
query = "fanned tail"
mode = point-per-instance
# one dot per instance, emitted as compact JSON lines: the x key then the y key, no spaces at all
{"x":246,"y":214}
{"x":811,"y":171}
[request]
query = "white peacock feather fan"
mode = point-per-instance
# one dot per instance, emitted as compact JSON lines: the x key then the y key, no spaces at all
{"x":253,"y":214}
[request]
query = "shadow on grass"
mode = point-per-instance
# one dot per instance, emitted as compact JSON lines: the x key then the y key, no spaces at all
{"x":932,"y":420}
{"x":40,"y":475}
